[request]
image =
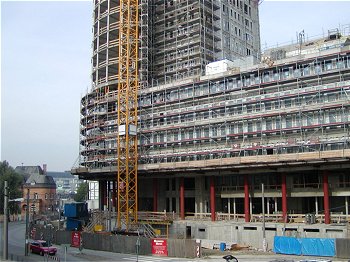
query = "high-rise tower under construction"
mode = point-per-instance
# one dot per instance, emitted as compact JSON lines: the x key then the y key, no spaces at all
{"x":208,"y":139}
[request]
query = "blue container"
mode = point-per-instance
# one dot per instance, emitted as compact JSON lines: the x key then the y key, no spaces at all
{"x":78,"y":209}
{"x":222,"y":246}
{"x":73,"y":224}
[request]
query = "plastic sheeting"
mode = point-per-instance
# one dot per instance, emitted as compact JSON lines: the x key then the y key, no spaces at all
{"x":287,"y":245}
{"x":304,"y":246}
{"x":318,"y":247}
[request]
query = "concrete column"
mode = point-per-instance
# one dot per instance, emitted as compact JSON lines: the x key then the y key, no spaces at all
{"x":327,"y":218}
{"x":114,"y":195}
{"x":250,"y":206}
{"x":316,"y":205}
{"x":284,"y":197}
{"x":108,"y":196}
{"x":102,"y":194}
{"x":229,"y":206}
{"x":105,"y":195}
{"x":182,"y":198}
{"x":347,"y":205}
{"x":246,"y":199}
{"x":155,"y":194}
{"x":276,"y":205}
{"x":170,"y":203}
{"x":234,"y":208}
{"x":212,"y":198}
{"x":199,"y":195}
{"x":268,"y":207}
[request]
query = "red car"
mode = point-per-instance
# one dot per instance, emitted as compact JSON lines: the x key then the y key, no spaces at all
{"x":41,"y":247}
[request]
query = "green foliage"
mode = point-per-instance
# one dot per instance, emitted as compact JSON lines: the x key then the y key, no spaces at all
{"x":82,"y":192}
{"x":15,"y":182}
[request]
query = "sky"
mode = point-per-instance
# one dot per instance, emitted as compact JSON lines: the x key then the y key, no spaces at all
{"x":46,"y":64}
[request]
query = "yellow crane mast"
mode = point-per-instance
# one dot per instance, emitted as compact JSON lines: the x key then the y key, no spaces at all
{"x":127,"y":114}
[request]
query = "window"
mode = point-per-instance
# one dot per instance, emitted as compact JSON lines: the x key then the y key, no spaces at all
{"x":278,"y":123}
{"x":268,"y":124}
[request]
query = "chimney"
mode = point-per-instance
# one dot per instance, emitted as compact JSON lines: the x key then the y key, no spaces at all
{"x":45,"y":168}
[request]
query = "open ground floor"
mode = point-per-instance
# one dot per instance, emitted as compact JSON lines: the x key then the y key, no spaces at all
{"x":299,"y":195}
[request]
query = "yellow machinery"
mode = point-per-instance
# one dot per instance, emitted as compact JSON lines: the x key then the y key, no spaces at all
{"x":127,"y":114}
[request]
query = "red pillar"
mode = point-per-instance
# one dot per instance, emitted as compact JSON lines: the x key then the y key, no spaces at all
{"x":212,"y":198}
{"x":246,"y":199}
{"x":182,"y":198}
{"x":155,"y":194}
{"x":327,"y":218}
{"x":284,"y":197}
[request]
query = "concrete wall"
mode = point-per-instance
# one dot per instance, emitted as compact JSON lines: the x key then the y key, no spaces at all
{"x":63,"y":237}
{"x":342,"y":247}
{"x":182,"y":248}
{"x":252,"y":234}
{"x":116,"y":243}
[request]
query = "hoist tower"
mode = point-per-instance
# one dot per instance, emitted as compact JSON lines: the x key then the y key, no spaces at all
{"x":127,"y":114}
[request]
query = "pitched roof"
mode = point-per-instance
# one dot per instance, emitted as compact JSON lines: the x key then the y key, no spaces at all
{"x":36,"y":177}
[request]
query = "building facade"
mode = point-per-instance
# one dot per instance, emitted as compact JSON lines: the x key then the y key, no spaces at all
{"x":177,"y":38}
{"x":206,"y":145}
{"x":42,"y":191}
{"x":66,"y":184}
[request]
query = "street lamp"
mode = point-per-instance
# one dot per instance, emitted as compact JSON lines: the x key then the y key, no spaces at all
{"x":263,"y":217}
{"x":6,"y":198}
{"x":27,"y":222}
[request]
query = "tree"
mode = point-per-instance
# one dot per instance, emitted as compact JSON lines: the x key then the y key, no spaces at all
{"x":15,"y":182}
{"x":82,"y":192}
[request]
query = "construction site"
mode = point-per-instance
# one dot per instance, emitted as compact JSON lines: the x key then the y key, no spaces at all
{"x":191,"y":128}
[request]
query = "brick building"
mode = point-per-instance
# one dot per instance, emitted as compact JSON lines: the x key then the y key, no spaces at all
{"x":42,"y":190}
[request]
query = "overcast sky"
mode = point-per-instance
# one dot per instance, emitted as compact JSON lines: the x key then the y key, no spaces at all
{"x":45,"y":69}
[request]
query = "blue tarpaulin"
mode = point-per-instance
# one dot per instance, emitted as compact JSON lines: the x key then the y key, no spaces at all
{"x":318,"y":247}
{"x":287,"y":245}
{"x":304,"y":246}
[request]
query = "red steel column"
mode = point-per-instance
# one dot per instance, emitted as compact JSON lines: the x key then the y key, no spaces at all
{"x":246,"y":199}
{"x":327,"y":218}
{"x":155,"y":194}
{"x":212,"y":198}
{"x":284,"y":197}
{"x":182,"y":198}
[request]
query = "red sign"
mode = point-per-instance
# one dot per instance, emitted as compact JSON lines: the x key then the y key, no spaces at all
{"x":75,"y":240}
{"x":159,"y":247}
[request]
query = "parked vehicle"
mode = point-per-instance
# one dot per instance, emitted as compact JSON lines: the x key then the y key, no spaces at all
{"x":230,"y":258}
{"x":42,"y":247}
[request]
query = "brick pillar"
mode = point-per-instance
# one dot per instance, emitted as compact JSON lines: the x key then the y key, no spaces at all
{"x":246,"y":199}
{"x":182,"y":198}
{"x":327,"y":218}
{"x":212,"y":198}
{"x":284,"y":197}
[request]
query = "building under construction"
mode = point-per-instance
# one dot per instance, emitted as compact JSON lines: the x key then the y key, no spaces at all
{"x":210,"y":135}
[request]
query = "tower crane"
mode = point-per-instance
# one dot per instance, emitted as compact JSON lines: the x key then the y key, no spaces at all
{"x":127,"y":115}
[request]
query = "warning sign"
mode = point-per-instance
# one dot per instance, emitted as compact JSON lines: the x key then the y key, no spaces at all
{"x":159,"y":247}
{"x":75,"y":240}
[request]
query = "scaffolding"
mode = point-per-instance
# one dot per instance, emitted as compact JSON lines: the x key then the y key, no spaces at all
{"x":291,"y":110}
